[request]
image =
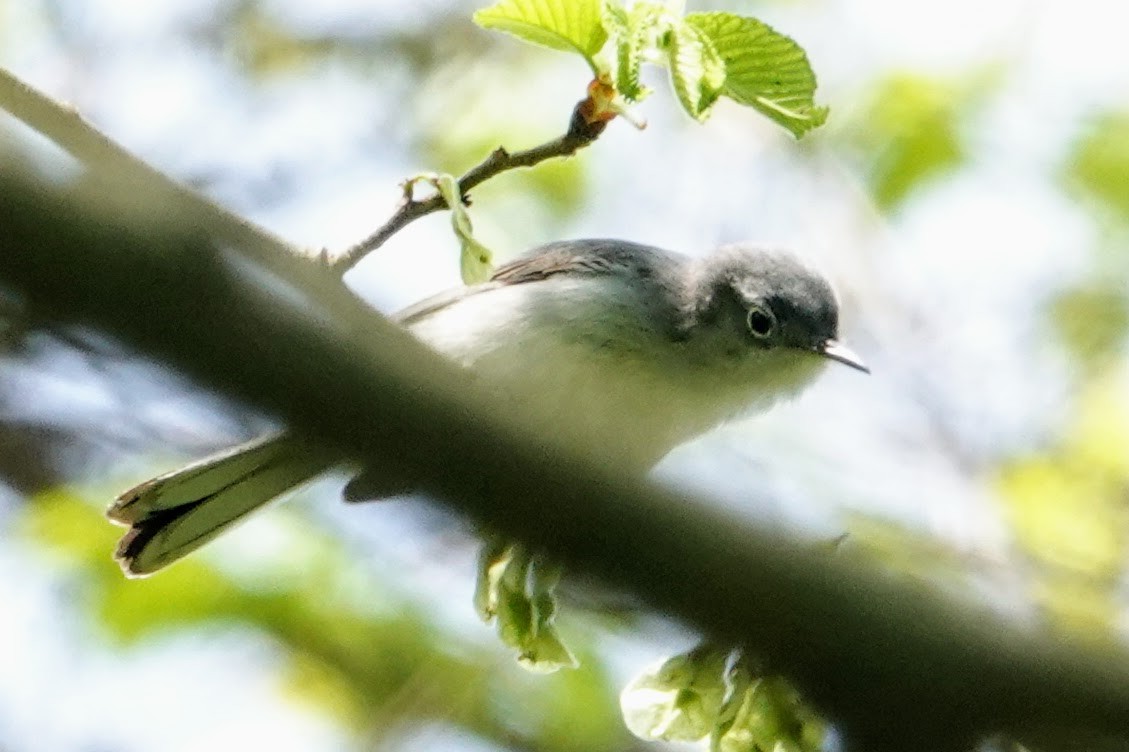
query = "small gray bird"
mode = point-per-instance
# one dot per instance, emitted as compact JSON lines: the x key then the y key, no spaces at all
{"x":602,"y":342}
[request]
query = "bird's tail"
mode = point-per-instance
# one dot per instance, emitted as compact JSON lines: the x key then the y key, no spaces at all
{"x":176,"y":513}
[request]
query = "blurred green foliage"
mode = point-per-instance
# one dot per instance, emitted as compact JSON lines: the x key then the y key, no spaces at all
{"x":917,"y":555}
{"x":681,"y":699}
{"x":766,"y":712}
{"x":267,"y":48}
{"x":1091,"y":321}
{"x":1098,"y":166}
{"x":908,"y":132}
{"x":1068,"y":509}
{"x":374,"y":669}
{"x":265,"y":45}
{"x":1068,"y":506}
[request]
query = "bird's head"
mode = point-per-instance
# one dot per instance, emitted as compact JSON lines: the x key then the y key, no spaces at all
{"x":765,"y":315}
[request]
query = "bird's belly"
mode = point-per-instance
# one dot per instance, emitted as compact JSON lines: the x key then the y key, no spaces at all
{"x":626,"y":398}
{"x":621,"y":405}
{"x":608,"y":404}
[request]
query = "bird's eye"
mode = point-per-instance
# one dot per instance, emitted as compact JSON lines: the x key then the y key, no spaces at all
{"x":761,"y":322}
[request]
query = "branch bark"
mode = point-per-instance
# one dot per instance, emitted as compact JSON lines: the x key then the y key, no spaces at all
{"x":892,"y":663}
{"x":78,"y":137}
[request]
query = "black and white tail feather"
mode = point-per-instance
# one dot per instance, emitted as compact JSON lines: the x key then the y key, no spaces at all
{"x":173,"y":514}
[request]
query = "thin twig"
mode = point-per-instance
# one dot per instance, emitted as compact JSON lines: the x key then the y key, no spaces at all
{"x":587,"y":123}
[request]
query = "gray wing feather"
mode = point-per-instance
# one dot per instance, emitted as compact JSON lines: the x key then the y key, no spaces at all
{"x":567,"y":257}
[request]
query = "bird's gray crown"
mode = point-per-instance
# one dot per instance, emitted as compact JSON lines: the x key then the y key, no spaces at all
{"x":771,"y":293}
{"x":737,"y":297}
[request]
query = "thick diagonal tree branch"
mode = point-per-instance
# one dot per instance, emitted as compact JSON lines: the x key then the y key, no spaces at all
{"x":99,"y":153}
{"x":897,"y":666}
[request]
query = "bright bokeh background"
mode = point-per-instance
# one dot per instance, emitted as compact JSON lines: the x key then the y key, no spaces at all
{"x":969,"y":195}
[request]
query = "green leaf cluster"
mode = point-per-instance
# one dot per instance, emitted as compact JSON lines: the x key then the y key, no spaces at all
{"x":714,"y":692}
{"x":708,"y":55}
{"x":516,"y":590}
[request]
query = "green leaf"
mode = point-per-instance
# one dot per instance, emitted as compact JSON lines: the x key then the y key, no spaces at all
{"x":633,"y":32}
{"x":763,"y":69}
{"x":566,"y":25}
{"x":546,"y":652}
{"x":518,"y":591}
{"x":679,"y":701}
{"x":697,"y":71}
{"x":491,"y":561}
{"x":543,"y":580}
{"x":766,"y":713}
{"x":475,"y":259}
{"x":513,"y":609}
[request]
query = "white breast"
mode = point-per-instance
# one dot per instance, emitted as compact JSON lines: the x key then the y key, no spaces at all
{"x":636,"y":402}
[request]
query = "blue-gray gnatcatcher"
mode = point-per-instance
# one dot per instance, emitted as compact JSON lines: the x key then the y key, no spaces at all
{"x":608,"y":342}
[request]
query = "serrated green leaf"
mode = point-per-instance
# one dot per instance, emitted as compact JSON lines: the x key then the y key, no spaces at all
{"x":697,"y":71}
{"x":566,"y":25}
{"x":633,"y":33}
{"x":763,"y":69}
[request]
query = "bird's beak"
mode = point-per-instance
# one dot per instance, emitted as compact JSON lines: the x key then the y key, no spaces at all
{"x":838,"y":351}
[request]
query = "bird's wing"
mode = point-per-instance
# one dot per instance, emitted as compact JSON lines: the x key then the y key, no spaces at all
{"x":573,"y":257}
{"x":584,"y":257}
{"x":427,"y":306}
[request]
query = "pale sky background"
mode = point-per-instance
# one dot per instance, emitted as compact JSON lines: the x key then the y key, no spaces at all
{"x":940,"y":300}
